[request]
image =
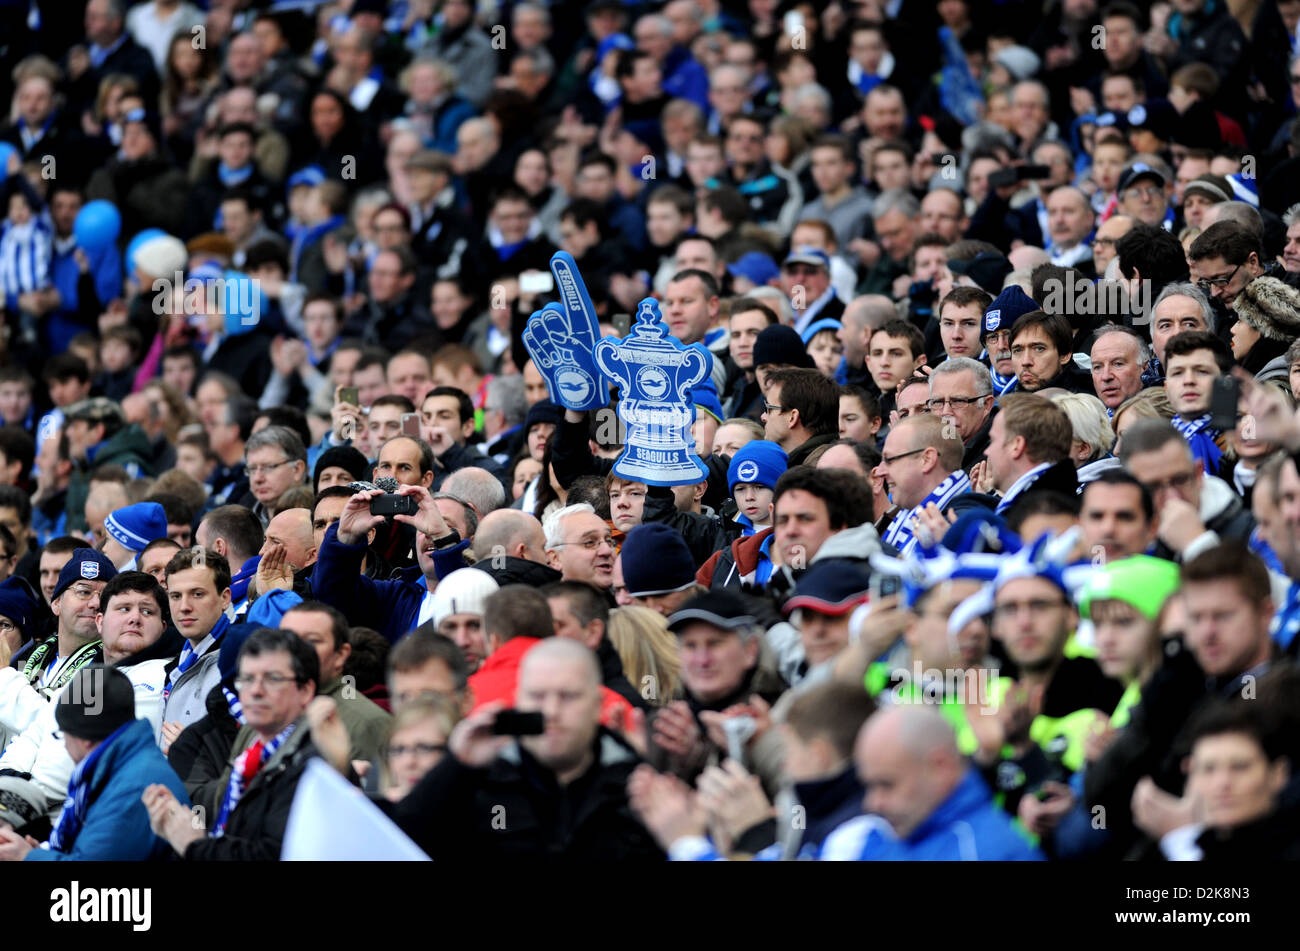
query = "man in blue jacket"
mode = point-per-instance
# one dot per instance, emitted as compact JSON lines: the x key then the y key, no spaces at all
{"x":925,"y":801}
{"x":402,"y":603}
{"x":104,"y":818}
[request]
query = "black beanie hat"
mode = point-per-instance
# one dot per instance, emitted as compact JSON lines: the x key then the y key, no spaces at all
{"x":95,"y":703}
{"x":345,"y":457}
{"x":781,"y":344}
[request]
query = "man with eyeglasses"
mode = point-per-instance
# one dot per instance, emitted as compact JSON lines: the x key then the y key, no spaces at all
{"x":245,"y":821}
{"x":1048,"y":713}
{"x":25,"y":690}
{"x":1143,"y":194}
{"x":995,"y":335}
{"x":138,"y":641}
{"x":1224,"y":258}
{"x":801,"y":412}
{"x":806,"y":280}
{"x":961,"y":391}
{"x":1194,"y":510}
{"x":275,"y":460}
{"x":580,"y":546}
{"x":921,"y":464}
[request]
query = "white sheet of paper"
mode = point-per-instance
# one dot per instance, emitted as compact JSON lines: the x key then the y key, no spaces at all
{"x":330,"y":821}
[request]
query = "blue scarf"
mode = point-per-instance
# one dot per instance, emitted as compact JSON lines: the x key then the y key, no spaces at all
{"x":240,"y":582}
{"x":241,"y":774}
{"x":506,"y":251}
{"x":73,"y":814}
{"x":309,"y":235}
{"x":1153,"y":375}
{"x":1286,"y":623}
{"x":1003,"y":384}
{"x":1200,"y":437}
{"x":230,"y":177}
{"x":901,"y":533}
{"x":232,"y":701}
{"x":190,"y":657}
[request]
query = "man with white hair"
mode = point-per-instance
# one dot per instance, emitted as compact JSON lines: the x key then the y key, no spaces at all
{"x":562,"y":789}
{"x":961,"y":391}
{"x":580,"y":545}
{"x":1179,"y":308}
{"x":1119,"y":355}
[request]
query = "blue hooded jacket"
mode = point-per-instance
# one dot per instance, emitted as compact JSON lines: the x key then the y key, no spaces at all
{"x":116,"y":825}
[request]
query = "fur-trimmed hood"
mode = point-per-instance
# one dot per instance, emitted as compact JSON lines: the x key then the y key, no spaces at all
{"x":1271,"y":307}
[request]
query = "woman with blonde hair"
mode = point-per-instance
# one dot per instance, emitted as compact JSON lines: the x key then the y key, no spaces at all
{"x":1093,"y":436}
{"x":649,"y":652}
{"x":1151,"y":403}
{"x":417,"y":742}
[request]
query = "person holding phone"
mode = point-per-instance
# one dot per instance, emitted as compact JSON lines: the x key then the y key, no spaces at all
{"x":559,"y":794}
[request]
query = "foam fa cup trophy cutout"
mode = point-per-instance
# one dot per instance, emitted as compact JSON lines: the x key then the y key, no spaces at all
{"x":560,"y":338}
{"x":655,"y":375}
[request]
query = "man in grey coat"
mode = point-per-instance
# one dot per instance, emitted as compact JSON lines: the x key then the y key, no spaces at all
{"x":198,"y":587}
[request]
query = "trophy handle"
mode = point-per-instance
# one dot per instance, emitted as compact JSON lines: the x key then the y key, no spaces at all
{"x":696,"y":353}
{"x":605,"y":353}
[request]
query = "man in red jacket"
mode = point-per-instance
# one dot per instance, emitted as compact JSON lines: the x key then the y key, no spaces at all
{"x":515,"y":620}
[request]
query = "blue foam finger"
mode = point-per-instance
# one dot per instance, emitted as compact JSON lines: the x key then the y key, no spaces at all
{"x":584,"y":324}
{"x":655,"y":374}
{"x":571,"y":374}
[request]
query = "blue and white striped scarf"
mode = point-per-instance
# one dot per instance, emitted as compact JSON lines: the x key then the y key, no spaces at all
{"x":241,"y":775}
{"x":232,"y":701}
{"x":73,"y":814}
{"x":901,"y":532}
{"x":25,"y":252}
{"x":1002,"y":384}
{"x":190,"y":656}
{"x":1200,"y":437}
{"x":1286,"y":622}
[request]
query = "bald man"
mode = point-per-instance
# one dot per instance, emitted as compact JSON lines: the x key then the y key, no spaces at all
{"x":925,"y":802}
{"x":292,"y":531}
{"x":511,"y":546}
{"x":559,"y":794}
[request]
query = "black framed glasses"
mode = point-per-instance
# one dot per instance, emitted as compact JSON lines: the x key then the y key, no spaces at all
{"x":890,"y":460}
{"x":1208,"y":283}
{"x":954,"y":401}
{"x":772,"y":408}
{"x":270,"y":467}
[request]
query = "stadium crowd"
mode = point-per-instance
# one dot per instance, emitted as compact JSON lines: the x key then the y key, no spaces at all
{"x":998,"y":554}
